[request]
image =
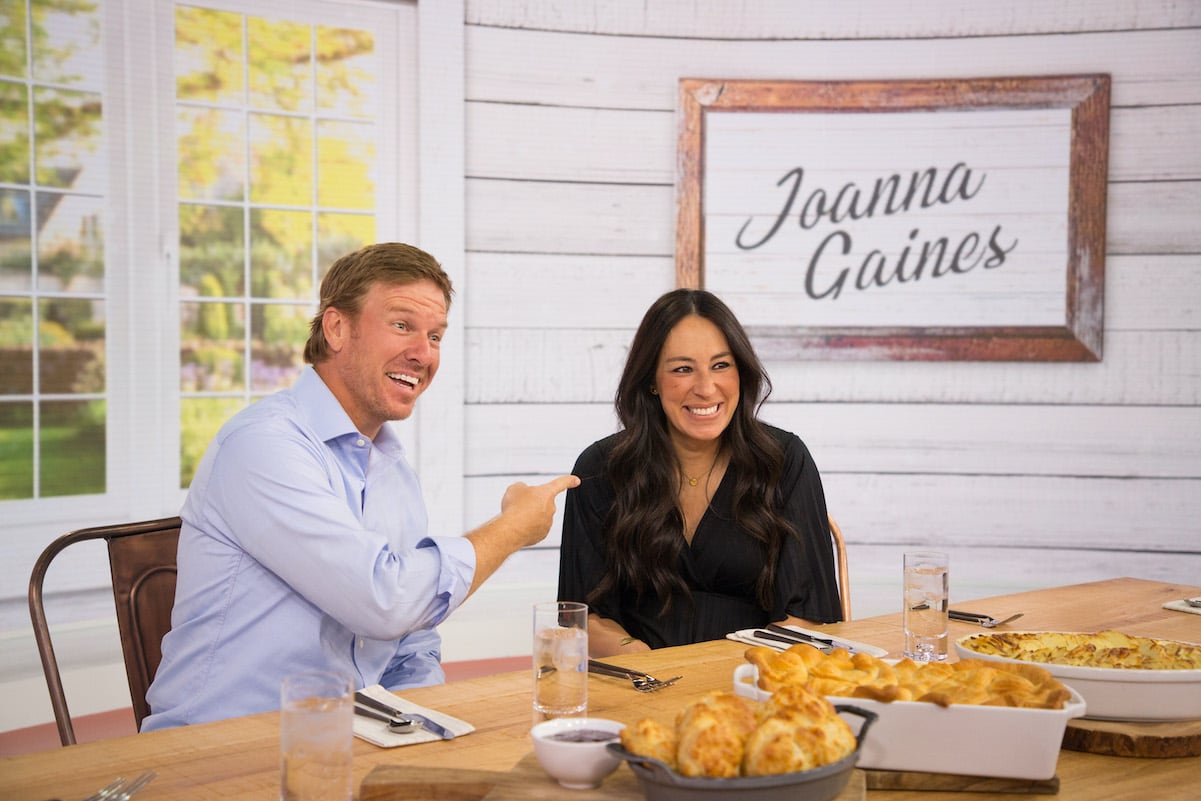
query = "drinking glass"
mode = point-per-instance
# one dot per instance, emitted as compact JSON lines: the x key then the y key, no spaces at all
{"x":560,"y":658}
{"x":925,"y":607}
{"x":316,"y":734}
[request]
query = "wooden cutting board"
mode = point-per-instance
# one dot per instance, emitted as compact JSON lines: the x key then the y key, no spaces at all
{"x":913,"y":780}
{"x":526,"y":782}
{"x":1175,"y":738}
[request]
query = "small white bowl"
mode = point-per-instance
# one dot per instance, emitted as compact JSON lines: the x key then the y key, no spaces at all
{"x":569,"y":750}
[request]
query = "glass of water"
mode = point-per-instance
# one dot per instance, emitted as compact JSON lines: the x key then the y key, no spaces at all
{"x":316,"y":737}
{"x":560,"y":658}
{"x":925,"y":607}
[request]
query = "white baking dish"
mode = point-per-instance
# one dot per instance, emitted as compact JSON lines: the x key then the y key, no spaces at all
{"x":962,"y":739}
{"x":1118,"y":693}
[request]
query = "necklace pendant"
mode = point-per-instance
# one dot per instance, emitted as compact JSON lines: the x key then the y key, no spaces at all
{"x":692,"y":481}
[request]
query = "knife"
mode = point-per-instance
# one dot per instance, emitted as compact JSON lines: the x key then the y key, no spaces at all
{"x":767,"y":635}
{"x":809,"y":638}
{"x":435,"y":728}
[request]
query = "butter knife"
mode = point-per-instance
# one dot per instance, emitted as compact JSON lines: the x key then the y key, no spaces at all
{"x":791,"y":640}
{"x":809,"y":638}
{"x":426,"y":723}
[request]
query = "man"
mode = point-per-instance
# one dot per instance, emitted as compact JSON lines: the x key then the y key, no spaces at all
{"x":304,"y":542}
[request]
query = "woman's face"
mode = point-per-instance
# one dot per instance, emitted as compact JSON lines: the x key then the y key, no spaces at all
{"x":697,"y":381}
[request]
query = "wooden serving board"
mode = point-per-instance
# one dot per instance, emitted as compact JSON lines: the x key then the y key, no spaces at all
{"x":1173,"y":738}
{"x":914,"y":780}
{"x":526,"y":782}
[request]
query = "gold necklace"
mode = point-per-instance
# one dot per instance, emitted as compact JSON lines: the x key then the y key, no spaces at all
{"x":692,"y":482}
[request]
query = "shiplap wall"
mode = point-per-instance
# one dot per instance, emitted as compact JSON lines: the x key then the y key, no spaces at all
{"x":1030,"y":474}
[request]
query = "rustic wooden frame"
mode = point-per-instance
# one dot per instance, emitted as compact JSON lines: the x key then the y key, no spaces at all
{"x":1087,"y":96}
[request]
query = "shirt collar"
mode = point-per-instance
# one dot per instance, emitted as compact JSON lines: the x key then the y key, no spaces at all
{"x":328,"y":419}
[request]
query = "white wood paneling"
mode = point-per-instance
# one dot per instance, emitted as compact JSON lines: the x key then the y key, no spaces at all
{"x":1157,"y":67}
{"x":831,"y":19}
{"x":1151,"y":217}
{"x":1140,"y":442}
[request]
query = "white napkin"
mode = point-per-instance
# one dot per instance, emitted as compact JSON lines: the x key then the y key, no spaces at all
{"x":1182,"y":606}
{"x":748,"y":636}
{"x":376,"y":731}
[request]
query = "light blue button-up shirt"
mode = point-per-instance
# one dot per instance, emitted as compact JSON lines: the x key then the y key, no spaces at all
{"x":303,"y":547}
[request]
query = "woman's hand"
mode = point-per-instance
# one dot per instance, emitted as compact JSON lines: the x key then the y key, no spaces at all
{"x":607,"y":638}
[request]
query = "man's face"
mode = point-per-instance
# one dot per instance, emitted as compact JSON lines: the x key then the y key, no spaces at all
{"x":385,"y":357}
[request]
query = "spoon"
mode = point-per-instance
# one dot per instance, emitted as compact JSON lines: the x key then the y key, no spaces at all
{"x":395,"y":724}
{"x":1193,"y":602}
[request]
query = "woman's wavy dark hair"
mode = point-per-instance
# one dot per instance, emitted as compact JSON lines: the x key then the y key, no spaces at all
{"x":645,"y":526}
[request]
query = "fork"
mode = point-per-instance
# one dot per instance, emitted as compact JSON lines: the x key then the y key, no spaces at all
{"x":643,"y":682}
{"x":987,"y":621}
{"x":120,"y":789}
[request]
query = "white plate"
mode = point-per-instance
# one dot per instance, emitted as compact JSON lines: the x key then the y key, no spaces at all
{"x":748,"y":636}
{"x":962,"y":739}
{"x":1118,"y":693}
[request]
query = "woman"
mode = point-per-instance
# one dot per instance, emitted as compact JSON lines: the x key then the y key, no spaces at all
{"x":696,"y":519}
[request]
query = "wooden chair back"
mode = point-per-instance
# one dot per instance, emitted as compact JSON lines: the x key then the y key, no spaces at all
{"x":844,"y":572}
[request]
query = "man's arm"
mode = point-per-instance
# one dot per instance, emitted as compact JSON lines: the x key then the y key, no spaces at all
{"x":526,"y":514}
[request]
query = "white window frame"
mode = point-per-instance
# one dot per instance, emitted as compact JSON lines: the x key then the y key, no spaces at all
{"x":141,"y":232}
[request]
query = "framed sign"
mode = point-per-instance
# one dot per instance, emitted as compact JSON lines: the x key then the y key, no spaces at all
{"x":909,"y":220}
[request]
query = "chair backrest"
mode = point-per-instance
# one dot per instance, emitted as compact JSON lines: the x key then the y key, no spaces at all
{"x":142,"y":563}
{"x":844,"y":572}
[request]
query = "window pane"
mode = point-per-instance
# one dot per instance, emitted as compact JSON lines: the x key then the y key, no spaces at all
{"x":278,"y":334}
{"x":212,"y":244}
{"x":345,"y":160}
{"x":14,"y":131}
{"x":72,"y":447}
{"x":71,"y":350}
{"x":281,"y":261}
{"x":12,"y":38}
{"x":71,"y":243}
{"x":281,"y":160}
{"x":280,"y":65}
{"x":67,"y":43}
{"x":199,"y":421}
{"x":339,"y":234}
{"x":209,"y":55}
{"x":66,"y":150}
{"x":211,"y":345}
{"x":347,"y":72}
{"x":16,"y":255}
{"x":16,"y":346}
{"x":16,"y":450}
{"x":212,"y":154}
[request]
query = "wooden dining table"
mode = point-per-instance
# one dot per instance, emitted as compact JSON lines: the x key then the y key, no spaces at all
{"x":239,"y":758}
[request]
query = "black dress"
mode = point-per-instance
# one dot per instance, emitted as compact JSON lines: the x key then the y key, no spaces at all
{"x":720,"y":567}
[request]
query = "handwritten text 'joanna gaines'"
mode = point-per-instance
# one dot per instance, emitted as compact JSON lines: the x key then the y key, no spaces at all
{"x":827,"y":272}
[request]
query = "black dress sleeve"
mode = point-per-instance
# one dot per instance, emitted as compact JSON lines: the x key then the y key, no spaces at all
{"x":806,"y":579}
{"x":581,"y":553}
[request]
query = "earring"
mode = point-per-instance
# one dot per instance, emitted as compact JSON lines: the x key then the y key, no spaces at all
{"x":654,"y":391}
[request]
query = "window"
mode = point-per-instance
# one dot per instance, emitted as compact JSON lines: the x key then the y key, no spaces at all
{"x":266,"y":138}
{"x":52,"y":258}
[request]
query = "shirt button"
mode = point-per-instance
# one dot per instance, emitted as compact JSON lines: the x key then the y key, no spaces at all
{"x":361,"y":442}
{"x":361,"y":643}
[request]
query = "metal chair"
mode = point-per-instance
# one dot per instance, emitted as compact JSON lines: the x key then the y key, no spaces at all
{"x":142,"y":562}
{"x":844,"y":572}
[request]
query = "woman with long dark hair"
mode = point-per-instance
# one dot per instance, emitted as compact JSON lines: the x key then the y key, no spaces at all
{"x":696,"y":519}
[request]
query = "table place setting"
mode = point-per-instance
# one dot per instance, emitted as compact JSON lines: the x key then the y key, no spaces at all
{"x":1190,"y":605}
{"x":784,"y":637}
{"x":380,"y":729}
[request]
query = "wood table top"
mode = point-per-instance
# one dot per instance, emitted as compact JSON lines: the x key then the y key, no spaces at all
{"x":239,"y":758}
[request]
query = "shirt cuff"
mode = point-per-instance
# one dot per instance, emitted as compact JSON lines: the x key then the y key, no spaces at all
{"x":457,"y":558}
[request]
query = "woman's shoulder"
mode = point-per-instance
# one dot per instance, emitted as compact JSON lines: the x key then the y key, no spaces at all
{"x":592,"y":459}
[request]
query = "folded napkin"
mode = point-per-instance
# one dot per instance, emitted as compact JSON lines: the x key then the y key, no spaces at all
{"x":748,"y":636}
{"x":376,"y":731}
{"x":1182,"y":606}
